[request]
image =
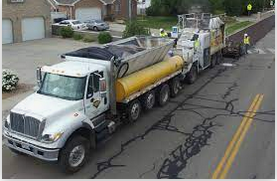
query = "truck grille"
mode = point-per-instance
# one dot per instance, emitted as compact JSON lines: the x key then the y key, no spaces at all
{"x":24,"y":124}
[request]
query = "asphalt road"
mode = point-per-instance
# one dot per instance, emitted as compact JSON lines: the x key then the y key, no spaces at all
{"x":226,"y":117}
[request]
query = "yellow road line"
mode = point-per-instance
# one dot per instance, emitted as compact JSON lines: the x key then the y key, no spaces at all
{"x":235,"y":138}
{"x":237,"y":146}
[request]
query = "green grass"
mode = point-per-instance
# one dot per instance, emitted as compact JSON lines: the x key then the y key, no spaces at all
{"x":232,"y":27}
{"x":166,"y":22}
{"x":157,"y":22}
{"x":77,"y":36}
{"x":217,"y":12}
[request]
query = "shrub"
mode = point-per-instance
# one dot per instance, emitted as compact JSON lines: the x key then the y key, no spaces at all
{"x":66,"y":32}
{"x":133,"y":28}
{"x":104,"y":37}
{"x":88,"y":38}
{"x":9,"y":80}
{"x":77,"y":36}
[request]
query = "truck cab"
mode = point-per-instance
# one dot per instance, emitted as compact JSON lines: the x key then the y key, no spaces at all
{"x":68,"y":108}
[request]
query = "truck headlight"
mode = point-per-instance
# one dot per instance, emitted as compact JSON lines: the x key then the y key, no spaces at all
{"x":51,"y":138}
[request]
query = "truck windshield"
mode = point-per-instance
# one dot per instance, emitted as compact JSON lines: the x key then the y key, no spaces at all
{"x":65,"y":87}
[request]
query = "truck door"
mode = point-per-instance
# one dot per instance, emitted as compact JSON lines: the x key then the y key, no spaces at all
{"x":95,"y":105}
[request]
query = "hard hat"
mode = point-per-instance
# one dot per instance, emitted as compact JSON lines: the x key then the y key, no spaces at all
{"x":245,"y":34}
{"x":161,"y":29}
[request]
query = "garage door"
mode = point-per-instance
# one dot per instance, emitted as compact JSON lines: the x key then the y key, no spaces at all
{"x":84,"y":14}
{"x":7,"y":31}
{"x":33,"y":28}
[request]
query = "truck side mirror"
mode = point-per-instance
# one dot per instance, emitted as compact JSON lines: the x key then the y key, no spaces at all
{"x":103,"y":85}
{"x":39,"y":76}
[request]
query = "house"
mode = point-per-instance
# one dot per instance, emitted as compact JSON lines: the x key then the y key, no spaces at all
{"x":96,"y":9}
{"x":24,"y":20}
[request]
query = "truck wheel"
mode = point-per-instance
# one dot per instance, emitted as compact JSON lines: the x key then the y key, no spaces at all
{"x":219,"y":57}
{"x":148,"y":100}
{"x":213,"y":61}
{"x":174,"y":87}
{"x":73,"y":156}
{"x":192,"y":75}
{"x":134,"y":111}
{"x":163,"y":95}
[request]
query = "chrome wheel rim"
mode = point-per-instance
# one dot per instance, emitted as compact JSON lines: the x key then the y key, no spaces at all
{"x":77,"y":156}
{"x":150,"y":100}
{"x":135,"y":111}
{"x":165,"y":96}
{"x":176,"y":87}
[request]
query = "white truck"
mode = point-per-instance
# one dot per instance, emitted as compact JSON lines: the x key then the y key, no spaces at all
{"x":82,"y":100}
{"x":210,"y":32}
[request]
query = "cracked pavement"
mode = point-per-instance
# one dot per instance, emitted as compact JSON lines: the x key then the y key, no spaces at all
{"x":188,"y":137}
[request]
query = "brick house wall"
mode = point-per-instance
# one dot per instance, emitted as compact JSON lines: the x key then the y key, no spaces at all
{"x":28,"y":9}
{"x":67,"y":10}
{"x":111,"y":9}
{"x":124,"y":9}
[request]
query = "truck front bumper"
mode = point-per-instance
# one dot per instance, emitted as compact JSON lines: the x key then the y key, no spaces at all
{"x":32,"y":150}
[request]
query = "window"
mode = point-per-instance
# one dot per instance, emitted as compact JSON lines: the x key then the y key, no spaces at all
{"x":76,"y":22}
{"x":93,"y":85}
{"x":96,"y":83}
{"x":64,"y":23}
{"x":89,"y":21}
{"x":64,"y":87}
{"x":90,"y":88}
{"x":117,"y":8}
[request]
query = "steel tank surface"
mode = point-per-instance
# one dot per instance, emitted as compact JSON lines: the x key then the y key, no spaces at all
{"x":137,"y":81}
{"x":153,"y":50}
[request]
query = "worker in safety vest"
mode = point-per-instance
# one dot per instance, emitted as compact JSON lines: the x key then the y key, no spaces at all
{"x":246,"y":42}
{"x":196,"y":44}
{"x":249,"y":9}
{"x":163,"y":33}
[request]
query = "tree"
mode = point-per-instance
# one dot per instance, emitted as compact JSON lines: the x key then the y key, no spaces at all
{"x":238,"y":7}
{"x":216,"y":5}
{"x":175,"y":7}
{"x":231,"y":7}
{"x":133,"y":28}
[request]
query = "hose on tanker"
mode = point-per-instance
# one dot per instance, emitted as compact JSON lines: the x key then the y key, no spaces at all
{"x":126,"y":65}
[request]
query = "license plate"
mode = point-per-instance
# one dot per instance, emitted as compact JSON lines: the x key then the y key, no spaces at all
{"x":26,"y":147}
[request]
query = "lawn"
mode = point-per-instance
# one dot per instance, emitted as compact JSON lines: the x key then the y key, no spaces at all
{"x":166,"y":22}
{"x":231,"y":28}
{"x":157,"y":22}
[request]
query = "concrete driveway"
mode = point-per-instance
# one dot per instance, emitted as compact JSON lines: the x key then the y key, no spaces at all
{"x":24,"y":58}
